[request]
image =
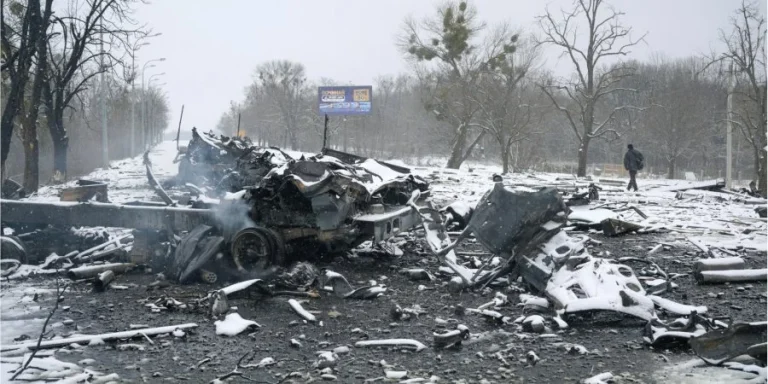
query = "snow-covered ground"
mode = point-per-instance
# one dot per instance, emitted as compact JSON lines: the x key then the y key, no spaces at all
{"x":706,"y":218}
{"x":127,"y":178}
{"x":714,"y":219}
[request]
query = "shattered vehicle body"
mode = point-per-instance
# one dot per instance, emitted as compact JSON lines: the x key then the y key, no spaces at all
{"x":530,"y":236}
{"x":258,"y":205}
{"x":278,"y":209}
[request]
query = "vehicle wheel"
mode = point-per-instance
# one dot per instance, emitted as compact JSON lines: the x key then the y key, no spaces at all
{"x":255,"y":248}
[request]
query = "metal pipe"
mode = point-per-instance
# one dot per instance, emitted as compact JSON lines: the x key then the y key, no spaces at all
{"x":103,"y":280}
{"x":95,"y":270}
{"x":731,"y":276}
{"x":86,"y":339}
{"x":102,"y":254}
{"x":718,"y":264}
{"x":115,"y":241}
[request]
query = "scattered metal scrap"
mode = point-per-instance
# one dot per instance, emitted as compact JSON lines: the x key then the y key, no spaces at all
{"x":250,"y":211}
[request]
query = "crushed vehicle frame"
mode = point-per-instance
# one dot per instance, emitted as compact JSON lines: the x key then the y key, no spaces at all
{"x":264,"y":207}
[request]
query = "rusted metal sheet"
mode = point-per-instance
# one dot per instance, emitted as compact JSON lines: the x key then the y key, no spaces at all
{"x":104,"y":215}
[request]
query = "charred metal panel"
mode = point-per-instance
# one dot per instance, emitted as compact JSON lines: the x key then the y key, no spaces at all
{"x":385,"y":225}
{"x":503,"y":219}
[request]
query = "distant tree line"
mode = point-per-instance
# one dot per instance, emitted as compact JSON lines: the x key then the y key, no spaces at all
{"x":61,"y":59}
{"x":483,"y":93}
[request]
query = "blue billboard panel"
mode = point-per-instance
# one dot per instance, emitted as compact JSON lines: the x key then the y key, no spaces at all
{"x":351,"y":100}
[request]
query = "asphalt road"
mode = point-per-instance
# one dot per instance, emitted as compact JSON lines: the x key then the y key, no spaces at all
{"x":614,"y":342}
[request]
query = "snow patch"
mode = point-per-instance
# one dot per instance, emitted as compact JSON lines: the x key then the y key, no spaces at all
{"x":233,"y":325}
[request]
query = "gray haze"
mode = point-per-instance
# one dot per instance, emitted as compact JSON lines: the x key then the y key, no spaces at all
{"x":211,"y":48}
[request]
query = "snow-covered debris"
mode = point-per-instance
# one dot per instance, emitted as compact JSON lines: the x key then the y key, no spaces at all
{"x":602,"y":378}
{"x":599,"y":284}
{"x":233,"y":325}
{"x":296,"y":306}
{"x":410,"y":343}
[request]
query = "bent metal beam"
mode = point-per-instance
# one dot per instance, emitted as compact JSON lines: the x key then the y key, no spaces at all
{"x":104,"y":215}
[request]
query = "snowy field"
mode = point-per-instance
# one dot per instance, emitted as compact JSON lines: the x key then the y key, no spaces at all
{"x":720,"y":221}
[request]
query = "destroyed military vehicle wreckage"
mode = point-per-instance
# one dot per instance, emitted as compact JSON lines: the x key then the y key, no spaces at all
{"x":258,"y":205}
{"x":276,"y":209}
{"x":248,"y":208}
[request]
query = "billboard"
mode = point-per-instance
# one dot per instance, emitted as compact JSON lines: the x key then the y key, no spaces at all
{"x":350,"y":100}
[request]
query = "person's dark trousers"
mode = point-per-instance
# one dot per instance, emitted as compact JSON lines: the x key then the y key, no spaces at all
{"x":632,"y":181}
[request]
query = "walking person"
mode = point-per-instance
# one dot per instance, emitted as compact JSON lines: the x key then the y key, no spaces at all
{"x":633,"y":162}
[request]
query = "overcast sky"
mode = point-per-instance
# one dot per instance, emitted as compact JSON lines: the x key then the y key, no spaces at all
{"x":212,"y":47}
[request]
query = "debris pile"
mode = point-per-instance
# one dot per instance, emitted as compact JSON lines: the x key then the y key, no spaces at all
{"x":252,"y":221}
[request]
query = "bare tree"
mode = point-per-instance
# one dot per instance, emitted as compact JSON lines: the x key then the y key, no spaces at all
{"x":80,"y":40}
{"x":746,"y":49}
{"x":605,"y":38}
{"x":681,"y":105}
{"x":29,"y":120}
{"x":20,"y":41}
{"x":38,"y":21}
{"x":283,"y":83}
{"x":508,"y":104}
{"x":448,"y":38}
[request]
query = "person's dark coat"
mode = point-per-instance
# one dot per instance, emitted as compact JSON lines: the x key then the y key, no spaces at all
{"x":633,"y":160}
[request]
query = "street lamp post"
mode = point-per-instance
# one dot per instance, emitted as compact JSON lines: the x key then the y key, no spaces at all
{"x":729,"y":132}
{"x":154,"y":127}
{"x":143,"y":109}
{"x":150,"y":128}
{"x":135,"y":48}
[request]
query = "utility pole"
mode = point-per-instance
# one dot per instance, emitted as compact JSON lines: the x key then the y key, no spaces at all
{"x":325,"y":132}
{"x":144,"y":134}
{"x":237,"y":132}
{"x":729,"y":133}
{"x":144,"y":139}
{"x":104,"y":132}
{"x":133,"y":105}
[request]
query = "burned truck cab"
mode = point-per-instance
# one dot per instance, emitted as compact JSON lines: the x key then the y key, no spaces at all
{"x":236,"y":209}
{"x":277,"y":209}
{"x":324,"y":206}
